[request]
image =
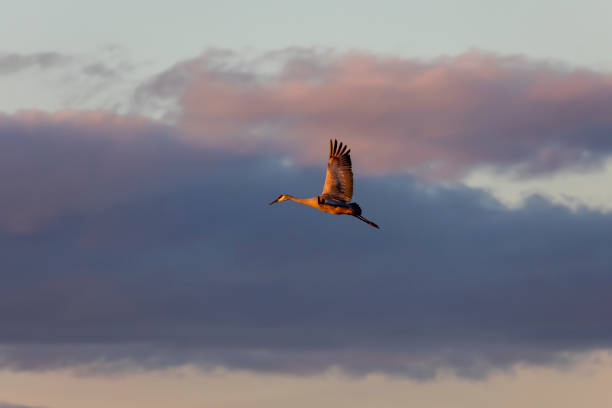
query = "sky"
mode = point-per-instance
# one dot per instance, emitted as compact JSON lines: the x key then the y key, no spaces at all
{"x":142,"y":267}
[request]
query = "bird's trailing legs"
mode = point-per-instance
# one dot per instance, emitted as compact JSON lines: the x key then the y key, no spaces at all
{"x":364,"y":219}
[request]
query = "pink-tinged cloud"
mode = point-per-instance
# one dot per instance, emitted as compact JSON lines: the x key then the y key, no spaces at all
{"x":441,"y":117}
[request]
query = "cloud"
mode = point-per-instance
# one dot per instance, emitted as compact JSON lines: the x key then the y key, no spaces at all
{"x":441,"y":117}
{"x":99,"y":69}
{"x":435,"y":118}
{"x":52,"y":81}
{"x":12,"y":63}
{"x":7,"y":405}
{"x":64,"y":162}
{"x":124,"y":245}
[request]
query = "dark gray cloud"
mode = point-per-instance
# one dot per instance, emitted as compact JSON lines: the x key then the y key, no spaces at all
{"x":156,"y":253}
{"x":12,"y":63}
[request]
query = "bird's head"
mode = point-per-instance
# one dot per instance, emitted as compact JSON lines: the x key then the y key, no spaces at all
{"x":282,"y":197}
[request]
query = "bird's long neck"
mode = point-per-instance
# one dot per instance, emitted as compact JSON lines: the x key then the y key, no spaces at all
{"x":313,"y":202}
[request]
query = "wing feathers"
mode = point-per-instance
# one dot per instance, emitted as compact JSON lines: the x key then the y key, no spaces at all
{"x":337,"y":150}
{"x":339,"y":179}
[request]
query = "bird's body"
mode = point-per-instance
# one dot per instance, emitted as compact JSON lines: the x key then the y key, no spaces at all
{"x":338,"y":187}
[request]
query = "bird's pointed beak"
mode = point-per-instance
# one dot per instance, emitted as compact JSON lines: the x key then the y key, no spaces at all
{"x":276,"y":201}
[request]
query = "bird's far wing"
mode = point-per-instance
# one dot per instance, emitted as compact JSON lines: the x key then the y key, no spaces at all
{"x":339,"y":180}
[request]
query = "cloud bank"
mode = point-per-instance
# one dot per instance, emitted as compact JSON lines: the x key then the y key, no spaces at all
{"x":438,"y":118}
{"x":123,"y":244}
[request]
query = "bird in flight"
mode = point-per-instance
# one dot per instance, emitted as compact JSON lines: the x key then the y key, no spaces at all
{"x":338,"y":187}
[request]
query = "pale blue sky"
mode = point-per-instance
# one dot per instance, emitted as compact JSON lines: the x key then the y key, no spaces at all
{"x":576,"y":32}
{"x":140,"y":38}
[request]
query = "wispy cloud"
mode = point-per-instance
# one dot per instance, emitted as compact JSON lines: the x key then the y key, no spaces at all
{"x":12,"y":63}
{"x":54,"y":81}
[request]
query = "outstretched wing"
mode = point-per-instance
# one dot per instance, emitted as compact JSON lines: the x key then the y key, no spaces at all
{"x":339,"y":179}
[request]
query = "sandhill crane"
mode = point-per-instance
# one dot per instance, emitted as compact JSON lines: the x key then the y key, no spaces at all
{"x":338,"y":187}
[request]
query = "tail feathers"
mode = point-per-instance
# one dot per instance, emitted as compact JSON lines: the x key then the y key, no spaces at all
{"x":367,"y":221}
